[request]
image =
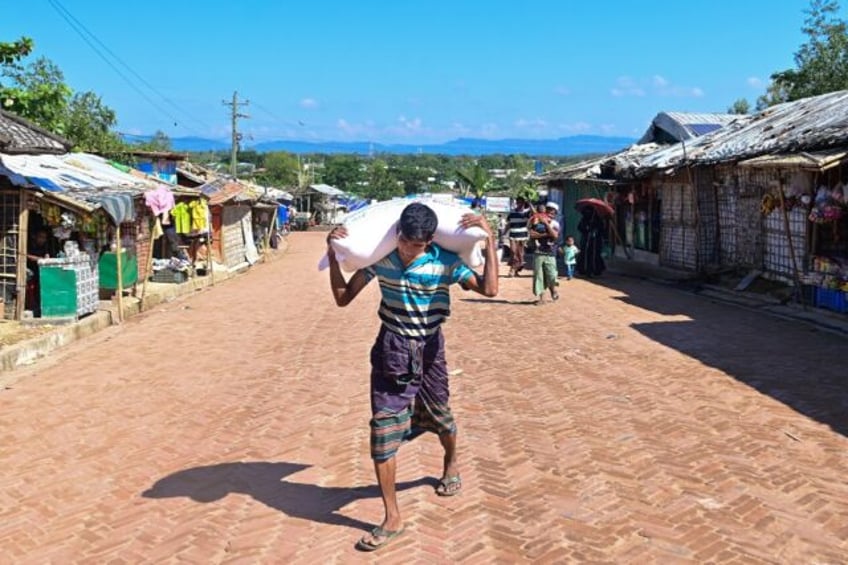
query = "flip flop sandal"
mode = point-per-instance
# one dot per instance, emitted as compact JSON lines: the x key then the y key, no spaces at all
{"x":378,"y":532}
{"x":449,"y":486}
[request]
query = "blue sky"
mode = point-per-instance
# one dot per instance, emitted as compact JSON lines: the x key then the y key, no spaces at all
{"x":401,"y":71}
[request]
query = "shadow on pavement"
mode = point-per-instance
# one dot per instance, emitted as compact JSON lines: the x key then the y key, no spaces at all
{"x":798,"y":365}
{"x":264,"y":482}
{"x":499,"y":301}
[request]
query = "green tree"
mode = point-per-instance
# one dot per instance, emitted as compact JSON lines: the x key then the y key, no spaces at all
{"x":382,"y":184}
{"x":476,"y":180}
{"x":159,"y":142}
{"x":37,"y":92}
{"x":279,"y":169}
{"x":12,"y":52}
{"x":741,"y":106}
{"x":413,"y":179}
{"x":821,"y":64}
{"x":89,"y":125}
{"x":343,"y":172}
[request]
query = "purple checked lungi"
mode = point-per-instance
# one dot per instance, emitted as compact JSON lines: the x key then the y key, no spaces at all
{"x":409,"y":390}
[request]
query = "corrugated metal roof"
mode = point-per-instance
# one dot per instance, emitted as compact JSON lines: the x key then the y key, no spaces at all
{"x":89,"y":180}
{"x":70,"y":172}
{"x":680,"y":126}
{"x":18,"y":135}
{"x":223,"y":189}
{"x":326,"y":189}
{"x":591,"y":168}
{"x":688,"y":118}
{"x":808,"y":125}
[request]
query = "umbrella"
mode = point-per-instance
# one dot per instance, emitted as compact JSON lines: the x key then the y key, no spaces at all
{"x":600,"y":206}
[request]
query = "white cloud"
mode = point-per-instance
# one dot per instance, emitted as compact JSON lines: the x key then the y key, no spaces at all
{"x":309,"y":103}
{"x":657,"y":85}
{"x":576,"y":127}
{"x":459,"y":128}
{"x":626,"y":86}
{"x":755,"y":82}
{"x":532,"y":124}
{"x":410,"y":125}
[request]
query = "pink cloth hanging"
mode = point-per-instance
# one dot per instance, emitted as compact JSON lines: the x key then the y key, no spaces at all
{"x":160,"y":200}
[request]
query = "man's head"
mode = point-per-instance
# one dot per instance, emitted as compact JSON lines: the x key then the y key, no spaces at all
{"x":40,"y":236}
{"x":418,"y":222}
{"x":520,"y":203}
{"x":569,"y":240}
{"x":552,"y":208}
{"x":417,"y":225}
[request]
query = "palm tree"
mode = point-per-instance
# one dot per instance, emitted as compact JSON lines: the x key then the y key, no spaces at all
{"x":477,"y":179}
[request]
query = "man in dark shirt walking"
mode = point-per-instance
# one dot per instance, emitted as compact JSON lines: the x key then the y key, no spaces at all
{"x":517,"y":231}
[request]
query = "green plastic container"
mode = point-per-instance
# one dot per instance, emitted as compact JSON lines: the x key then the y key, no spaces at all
{"x":58,"y":291}
{"x":108,"y":268}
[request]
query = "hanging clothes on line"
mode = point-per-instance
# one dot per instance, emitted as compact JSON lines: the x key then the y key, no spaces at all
{"x":182,"y":218}
{"x":199,"y":214}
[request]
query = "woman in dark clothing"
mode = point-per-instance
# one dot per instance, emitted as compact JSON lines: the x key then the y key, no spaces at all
{"x":592,"y":228}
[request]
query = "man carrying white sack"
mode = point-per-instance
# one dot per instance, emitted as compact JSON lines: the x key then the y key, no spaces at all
{"x":409,"y":378}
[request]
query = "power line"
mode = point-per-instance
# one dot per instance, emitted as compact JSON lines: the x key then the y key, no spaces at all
{"x":235,"y":115}
{"x":83,"y":32}
{"x":273,"y":115}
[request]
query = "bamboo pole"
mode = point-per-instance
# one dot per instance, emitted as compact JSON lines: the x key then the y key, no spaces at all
{"x":149,"y":266}
{"x":791,"y":245}
{"x":210,"y":249}
{"x":627,"y":252}
{"x":23,"y":245}
{"x":268,"y":236}
{"x":118,"y":252}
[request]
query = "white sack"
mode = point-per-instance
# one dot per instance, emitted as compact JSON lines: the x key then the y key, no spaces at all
{"x":372,"y":234}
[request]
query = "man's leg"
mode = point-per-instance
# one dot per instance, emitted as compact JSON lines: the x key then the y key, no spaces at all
{"x":551,"y":276}
{"x":386,"y":472}
{"x":391,"y":397}
{"x":448,"y":441}
{"x":519,"y":256}
{"x":512,"y":256}
{"x":538,"y":277}
{"x":386,"y":436}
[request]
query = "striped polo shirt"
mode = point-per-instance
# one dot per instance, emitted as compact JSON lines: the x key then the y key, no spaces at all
{"x":416,"y":299}
{"x":517,"y":223}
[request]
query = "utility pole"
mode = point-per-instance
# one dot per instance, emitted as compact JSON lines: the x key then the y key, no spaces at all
{"x":235,"y":115}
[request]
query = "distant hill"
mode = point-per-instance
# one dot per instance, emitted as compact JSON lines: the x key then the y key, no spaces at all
{"x":198,"y":144}
{"x":573,"y":145}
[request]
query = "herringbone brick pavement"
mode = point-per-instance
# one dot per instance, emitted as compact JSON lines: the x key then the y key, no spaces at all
{"x":627,"y":423}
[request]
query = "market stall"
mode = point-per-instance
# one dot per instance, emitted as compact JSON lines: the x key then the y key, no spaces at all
{"x":82,"y":199}
{"x":828,"y":273}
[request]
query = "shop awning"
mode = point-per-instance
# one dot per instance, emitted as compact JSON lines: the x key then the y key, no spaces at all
{"x":808,"y":160}
{"x":88,"y":179}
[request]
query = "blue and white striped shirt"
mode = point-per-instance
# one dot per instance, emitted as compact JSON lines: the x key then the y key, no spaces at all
{"x":416,"y":299}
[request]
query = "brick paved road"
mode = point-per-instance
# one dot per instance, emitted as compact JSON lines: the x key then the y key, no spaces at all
{"x":633,"y":424}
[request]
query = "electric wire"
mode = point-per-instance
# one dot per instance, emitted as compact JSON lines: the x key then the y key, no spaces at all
{"x":85,"y":34}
